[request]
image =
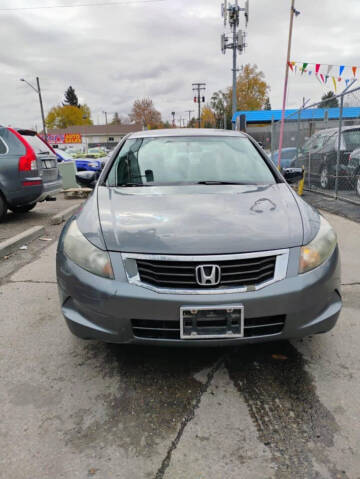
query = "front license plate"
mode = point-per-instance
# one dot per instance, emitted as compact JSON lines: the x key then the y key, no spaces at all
{"x":210,"y":322}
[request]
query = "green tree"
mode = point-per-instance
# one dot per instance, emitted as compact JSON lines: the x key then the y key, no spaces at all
{"x":116,"y":119}
{"x":71,"y":97}
{"x":328,"y":100}
{"x":267,"y":105}
{"x":68,"y":115}
{"x":193,"y":123}
{"x":221,"y":106}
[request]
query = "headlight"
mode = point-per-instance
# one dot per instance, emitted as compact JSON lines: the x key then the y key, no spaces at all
{"x":85,"y":254}
{"x":94,"y":164}
{"x":319,"y":249}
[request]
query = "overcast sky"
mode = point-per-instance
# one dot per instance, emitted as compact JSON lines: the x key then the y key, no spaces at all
{"x":112,"y":54}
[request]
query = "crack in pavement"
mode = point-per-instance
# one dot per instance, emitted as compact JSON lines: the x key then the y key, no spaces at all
{"x":356,"y":283}
{"x":188,"y":418}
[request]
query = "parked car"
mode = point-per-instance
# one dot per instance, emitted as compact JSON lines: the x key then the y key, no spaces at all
{"x":192,"y":236}
{"x":82,"y":164}
{"x":354,"y":169}
{"x":28,"y":170}
{"x":319,"y":156}
{"x":91,"y":153}
{"x":288,"y":156}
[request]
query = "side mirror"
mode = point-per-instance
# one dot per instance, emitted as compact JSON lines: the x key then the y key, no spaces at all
{"x":293,"y":175}
{"x":87,"y":178}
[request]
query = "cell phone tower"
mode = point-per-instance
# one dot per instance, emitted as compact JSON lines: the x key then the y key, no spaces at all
{"x":231,"y":15}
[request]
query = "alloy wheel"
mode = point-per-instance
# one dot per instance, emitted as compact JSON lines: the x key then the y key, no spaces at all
{"x":324,"y":178}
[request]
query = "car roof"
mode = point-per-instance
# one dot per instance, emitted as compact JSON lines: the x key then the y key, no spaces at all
{"x":185,"y":132}
{"x":333,"y":130}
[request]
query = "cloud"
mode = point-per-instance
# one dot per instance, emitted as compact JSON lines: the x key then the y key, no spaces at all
{"x":112,"y":55}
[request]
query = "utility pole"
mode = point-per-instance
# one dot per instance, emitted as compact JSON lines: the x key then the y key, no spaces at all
{"x":38,"y":91}
{"x":198,"y":88}
{"x":189,"y":111}
{"x":105,"y":113}
{"x":173,"y":119}
{"x":231,"y":13}
{"x":281,"y":135}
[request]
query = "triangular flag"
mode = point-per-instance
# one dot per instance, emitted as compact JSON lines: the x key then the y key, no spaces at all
{"x":347,"y":81}
{"x":341,"y":69}
{"x":317,"y":68}
{"x":318,"y":79}
{"x":322,"y":77}
{"x":326,"y":78}
{"x":339,"y":79}
{"x":291,"y":66}
{"x":310,"y":72}
{"x":334,"y":81}
{"x":303,"y":67}
{"x":329,"y":68}
{"x":354,"y":70}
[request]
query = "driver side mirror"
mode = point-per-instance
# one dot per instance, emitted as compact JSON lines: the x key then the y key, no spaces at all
{"x":87,"y":178}
{"x":293,"y":175}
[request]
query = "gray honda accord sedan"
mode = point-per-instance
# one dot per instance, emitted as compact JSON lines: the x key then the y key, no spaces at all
{"x":194,"y":237}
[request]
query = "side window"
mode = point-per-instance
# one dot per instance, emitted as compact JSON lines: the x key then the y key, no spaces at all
{"x":329,"y":144}
{"x":3,"y":147}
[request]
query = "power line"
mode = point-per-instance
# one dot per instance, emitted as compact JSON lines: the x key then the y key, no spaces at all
{"x":96,"y":4}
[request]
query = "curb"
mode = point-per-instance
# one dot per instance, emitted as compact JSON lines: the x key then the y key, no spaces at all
{"x":64,"y":215}
{"x":12,"y":243}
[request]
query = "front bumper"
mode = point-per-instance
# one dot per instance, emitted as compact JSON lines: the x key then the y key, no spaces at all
{"x":98,"y":308}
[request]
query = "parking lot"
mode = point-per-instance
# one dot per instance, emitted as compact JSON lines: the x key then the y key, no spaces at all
{"x":86,"y":409}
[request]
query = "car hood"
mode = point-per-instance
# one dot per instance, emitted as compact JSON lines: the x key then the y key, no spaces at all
{"x":199,"y":219}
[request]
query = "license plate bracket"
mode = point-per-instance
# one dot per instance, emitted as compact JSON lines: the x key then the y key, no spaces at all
{"x":211,"y":322}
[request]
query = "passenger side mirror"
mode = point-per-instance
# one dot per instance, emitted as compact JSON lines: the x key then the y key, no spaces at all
{"x":87,"y":178}
{"x":293,"y":175}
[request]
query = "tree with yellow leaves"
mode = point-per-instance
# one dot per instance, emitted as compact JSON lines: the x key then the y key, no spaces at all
{"x":68,"y":115}
{"x":207,"y":117}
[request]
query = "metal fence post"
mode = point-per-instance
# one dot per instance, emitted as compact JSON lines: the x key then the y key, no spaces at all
{"x":339,"y":145}
{"x":272,"y":138}
{"x":298,"y":134}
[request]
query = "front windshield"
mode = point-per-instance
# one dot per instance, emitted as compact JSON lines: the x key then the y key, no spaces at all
{"x":181,"y":160}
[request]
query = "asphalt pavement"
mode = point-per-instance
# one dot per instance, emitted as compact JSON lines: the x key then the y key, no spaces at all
{"x":75,"y":409}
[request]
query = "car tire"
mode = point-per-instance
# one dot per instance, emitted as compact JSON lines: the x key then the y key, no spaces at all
{"x":357,"y":184}
{"x":23,"y":209}
{"x":3,"y":207}
{"x":325,"y":181}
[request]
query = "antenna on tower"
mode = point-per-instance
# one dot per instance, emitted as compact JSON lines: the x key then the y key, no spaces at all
{"x":231,"y":14}
{"x":246,"y":13}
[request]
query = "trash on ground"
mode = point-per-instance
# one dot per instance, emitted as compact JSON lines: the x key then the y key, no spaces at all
{"x":23,"y":247}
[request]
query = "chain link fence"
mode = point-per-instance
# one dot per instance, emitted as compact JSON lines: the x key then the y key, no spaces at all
{"x":323,"y":141}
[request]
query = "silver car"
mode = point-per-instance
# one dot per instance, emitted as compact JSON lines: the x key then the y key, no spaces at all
{"x":194,"y":237}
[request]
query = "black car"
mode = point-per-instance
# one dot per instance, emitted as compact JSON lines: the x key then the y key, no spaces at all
{"x":28,"y":170}
{"x":318,"y":156}
{"x":354,"y":169}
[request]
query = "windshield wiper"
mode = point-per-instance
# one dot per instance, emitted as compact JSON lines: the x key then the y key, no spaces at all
{"x":215,"y":182}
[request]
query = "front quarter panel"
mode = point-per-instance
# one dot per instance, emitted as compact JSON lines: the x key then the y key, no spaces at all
{"x":88,"y":222}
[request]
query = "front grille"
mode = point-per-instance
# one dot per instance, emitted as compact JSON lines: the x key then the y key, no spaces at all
{"x":181,"y":274}
{"x":158,"y":329}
